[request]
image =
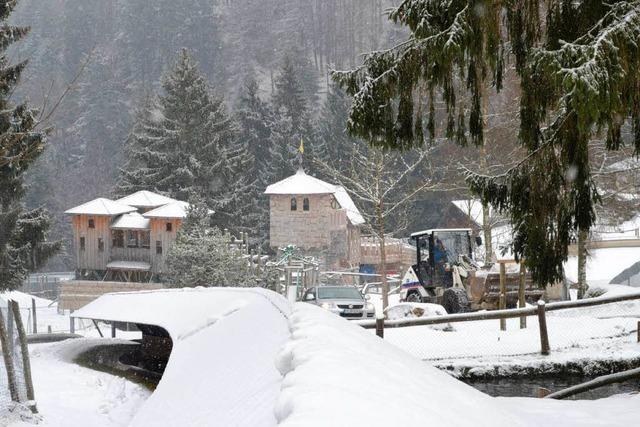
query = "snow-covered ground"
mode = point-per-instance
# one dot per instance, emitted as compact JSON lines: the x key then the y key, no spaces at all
{"x":248,"y":358}
{"x":73,"y":396}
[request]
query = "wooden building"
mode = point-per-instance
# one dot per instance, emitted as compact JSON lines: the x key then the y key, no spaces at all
{"x":317,"y":217}
{"x":125,"y":239}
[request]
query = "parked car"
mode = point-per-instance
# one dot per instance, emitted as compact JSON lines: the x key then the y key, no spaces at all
{"x":345,"y":301}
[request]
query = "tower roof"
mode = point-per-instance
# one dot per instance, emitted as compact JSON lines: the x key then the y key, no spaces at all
{"x":301,"y":183}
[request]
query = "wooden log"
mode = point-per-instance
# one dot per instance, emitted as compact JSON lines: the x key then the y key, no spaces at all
{"x":521,"y":295}
{"x":35,"y":316}
{"x":503,"y":297}
{"x":596,"y":383}
{"x":544,"y":335}
{"x":95,"y":323}
{"x":26,"y":362}
{"x":542,"y":392}
{"x":8,"y":358}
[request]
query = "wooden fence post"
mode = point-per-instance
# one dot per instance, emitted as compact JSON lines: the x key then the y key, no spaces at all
{"x":113,"y":329}
{"x":10,"y":328}
{"x":639,"y":331}
{"x":8,"y":358}
{"x":503,"y":294}
{"x":380,"y":324}
{"x":24,"y":350}
{"x":521,"y":296}
{"x":72,"y":324}
{"x":35,"y":316}
{"x":544,"y":335}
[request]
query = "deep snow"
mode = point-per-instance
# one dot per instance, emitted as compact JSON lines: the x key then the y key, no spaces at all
{"x":245,"y":357}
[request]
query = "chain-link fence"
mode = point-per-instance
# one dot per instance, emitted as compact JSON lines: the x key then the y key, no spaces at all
{"x":13,"y":381}
{"x":608,"y":330}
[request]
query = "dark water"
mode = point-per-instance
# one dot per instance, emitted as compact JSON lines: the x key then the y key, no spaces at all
{"x":122,"y":360}
{"x":528,"y":387}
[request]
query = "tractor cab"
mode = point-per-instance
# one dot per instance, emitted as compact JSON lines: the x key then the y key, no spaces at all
{"x":436,"y":276}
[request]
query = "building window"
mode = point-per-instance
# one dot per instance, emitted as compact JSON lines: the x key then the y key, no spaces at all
{"x":117,"y":238}
{"x":100,"y":244}
{"x":158,"y":247}
{"x":305,"y":204}
{"x":294,"y":204}
{"x":169,"y":226}
{"x":92,"y":223}
{"x":82,"y":243}
{"x":132,"y":239}
{"x":145,"y":239}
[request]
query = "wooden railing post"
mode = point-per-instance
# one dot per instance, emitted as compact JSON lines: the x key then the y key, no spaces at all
{"x":5,"y":339}
{"x":35,"y":316}
{"x":72,"y":323}
{"x":521,"y":295}
{"x":24,"y":351}
{"x":542,"y":322}
{"x":380,"y":324}
{"x":503,"y":294}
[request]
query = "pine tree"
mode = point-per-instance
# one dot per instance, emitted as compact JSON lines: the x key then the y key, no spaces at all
{"x":579,"y":79}
{"x":333,"y":141}
{"x":184,"y":143}
{"x":254,"y":119}
{"x":23,"y":234}
{"x":202,"y":256}
{"x":291,"y":124}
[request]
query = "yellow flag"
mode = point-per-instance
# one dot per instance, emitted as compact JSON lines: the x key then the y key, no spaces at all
{"x":301,"y":148}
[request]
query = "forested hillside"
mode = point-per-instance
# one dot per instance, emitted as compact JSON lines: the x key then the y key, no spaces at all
{"x":92,"y":64}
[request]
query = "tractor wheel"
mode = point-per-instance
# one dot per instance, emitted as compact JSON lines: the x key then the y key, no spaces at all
{"x":455,"y":300}
{"x":414,"y":297}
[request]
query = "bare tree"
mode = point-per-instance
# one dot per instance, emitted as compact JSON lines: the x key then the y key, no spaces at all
{"x":385,"y":186}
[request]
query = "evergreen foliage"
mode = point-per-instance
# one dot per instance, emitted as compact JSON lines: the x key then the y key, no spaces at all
{"x":202,"y":256}
{"x":255,"y":119}
{"x":579,"y":79}
{"x":23,"y":234}
{"x":184,"y":143}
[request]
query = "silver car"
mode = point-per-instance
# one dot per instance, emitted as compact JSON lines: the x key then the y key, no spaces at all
{"x":345,"y":301}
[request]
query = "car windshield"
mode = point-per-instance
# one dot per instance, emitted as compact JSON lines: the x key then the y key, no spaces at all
{"x":338,"y":293}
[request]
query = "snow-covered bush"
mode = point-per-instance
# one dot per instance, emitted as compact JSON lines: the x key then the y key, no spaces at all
{"x":202,"y":255}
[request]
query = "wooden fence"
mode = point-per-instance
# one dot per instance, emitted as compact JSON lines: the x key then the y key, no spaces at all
{"x":539,"y":311}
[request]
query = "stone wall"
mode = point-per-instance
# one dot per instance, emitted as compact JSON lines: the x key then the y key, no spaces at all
{"x":305,"y":229}
{"x":75,"y":294}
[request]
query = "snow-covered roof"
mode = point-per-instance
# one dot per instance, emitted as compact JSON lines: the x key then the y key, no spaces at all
{"x":129,"y":265}
{"x":301,"y":183}
{"x":347,"y":204}
{"x":145,"y":199}
{"x":471,"y":208}
{"x":176,"y":209}
{"x":603,"y":264}
{"x":131,"y":221}
{"x":101,"y":206}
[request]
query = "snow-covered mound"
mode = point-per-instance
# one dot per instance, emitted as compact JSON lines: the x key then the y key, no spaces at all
{"x":338,"y":374}
{"x":412,"y":310}
{"x":24,"y":300}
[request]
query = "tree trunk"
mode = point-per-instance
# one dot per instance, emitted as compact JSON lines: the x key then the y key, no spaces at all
{"x":383,"y":258}
{"x":582,"y":263}
{"x":486,"y":229}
